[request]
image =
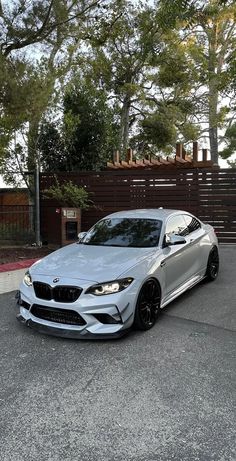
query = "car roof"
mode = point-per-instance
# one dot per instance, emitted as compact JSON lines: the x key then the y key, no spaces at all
{"x":148,"y":213}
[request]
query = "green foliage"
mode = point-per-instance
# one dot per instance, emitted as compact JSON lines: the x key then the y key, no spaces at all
{"x":51,"y":145}
{"x":122,"y":65}
{"x":68,"y":194}
{"x":230,"y":140}
{"x":167,"y":125}
{"x":175,"y":68}
{"x":14,"y":161}
{"x":90,"y":131}
{"x":36,"y":44}
{"x":42,"y":22}
{"x":189,"y":131}
{"x":144,"y":71}
{"x":206,"y":48}
{"x":232,"y":163}
{"x":23,"y":91}
{"x":159,"y":131}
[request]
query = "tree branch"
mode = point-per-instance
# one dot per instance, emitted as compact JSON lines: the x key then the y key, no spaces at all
{"x":43,"y":32}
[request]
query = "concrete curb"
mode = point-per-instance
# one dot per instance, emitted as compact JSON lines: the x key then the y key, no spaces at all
{"x":11,"y":274}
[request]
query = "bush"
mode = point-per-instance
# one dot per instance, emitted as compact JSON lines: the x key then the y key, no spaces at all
{"x":68,"y":194}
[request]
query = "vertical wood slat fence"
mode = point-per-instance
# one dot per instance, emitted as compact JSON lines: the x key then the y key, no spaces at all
{"x":210,"y":194}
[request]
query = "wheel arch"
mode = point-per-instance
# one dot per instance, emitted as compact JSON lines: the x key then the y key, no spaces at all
{"x":150,"y":277}
{"x":145,"y":320}
{"x":208,"y":274}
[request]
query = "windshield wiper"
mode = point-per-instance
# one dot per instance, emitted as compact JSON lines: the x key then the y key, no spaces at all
{"x":93,"y":244}
{"x":104,"y":244}
{"x":115,"y":245}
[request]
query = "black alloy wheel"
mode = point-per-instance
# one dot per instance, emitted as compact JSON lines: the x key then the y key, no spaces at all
{"x":148,"y":305}
{"x":212,"y":265}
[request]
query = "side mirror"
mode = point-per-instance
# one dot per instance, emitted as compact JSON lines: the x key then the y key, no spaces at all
{"x":174,"y":239}
{"x":81,"y":235}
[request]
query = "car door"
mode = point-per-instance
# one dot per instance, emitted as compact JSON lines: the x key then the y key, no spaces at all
{"x":178,"y":259}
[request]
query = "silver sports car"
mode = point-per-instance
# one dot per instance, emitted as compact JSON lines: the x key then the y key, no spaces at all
{"x":119,"y":274}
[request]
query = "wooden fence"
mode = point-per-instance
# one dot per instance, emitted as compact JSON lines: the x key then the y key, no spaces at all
{"x":210,"y":194}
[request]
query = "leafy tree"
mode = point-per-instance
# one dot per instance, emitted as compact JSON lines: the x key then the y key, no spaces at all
{"x":122,"y":66}
{"x":89,"y":128}
{"x":135,"y":66}
{"x":88,"y":133}
{"x":24,"y":94}
{"x":161,"y":73}
{"x":36,"y":23}
{"x":207,"y":31}
{"x":51,"y":145}
{"x":37,"y":42}
{"x":230,"y":141}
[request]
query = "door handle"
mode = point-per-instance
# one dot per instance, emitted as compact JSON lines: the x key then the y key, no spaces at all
{"x":163,"y":263}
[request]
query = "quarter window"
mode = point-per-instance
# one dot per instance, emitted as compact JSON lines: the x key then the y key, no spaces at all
{"x":177,"y":225}
{"x":192,"y":223}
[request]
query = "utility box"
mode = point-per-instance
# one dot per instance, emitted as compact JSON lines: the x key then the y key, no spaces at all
{"x":70,"y":225}
{"x":60,"y":226}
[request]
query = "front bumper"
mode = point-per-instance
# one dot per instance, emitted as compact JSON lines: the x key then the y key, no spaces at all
{"x":102,"y":317}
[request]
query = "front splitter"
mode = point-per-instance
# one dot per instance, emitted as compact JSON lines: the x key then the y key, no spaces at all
{"x":70,"y":334}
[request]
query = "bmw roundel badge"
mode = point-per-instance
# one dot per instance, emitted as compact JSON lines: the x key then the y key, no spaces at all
{"x":56,"y":280}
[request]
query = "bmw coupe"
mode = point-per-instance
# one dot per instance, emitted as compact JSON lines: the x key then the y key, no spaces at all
{"x":119,"y":274}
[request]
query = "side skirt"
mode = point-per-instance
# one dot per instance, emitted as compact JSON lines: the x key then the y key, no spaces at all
{"x":180,"y":290}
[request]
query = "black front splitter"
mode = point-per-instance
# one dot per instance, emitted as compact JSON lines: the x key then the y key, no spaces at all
{"x":70,"y":334}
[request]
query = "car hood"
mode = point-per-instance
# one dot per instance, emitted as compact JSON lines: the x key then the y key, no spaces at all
{"x":92,"y":263}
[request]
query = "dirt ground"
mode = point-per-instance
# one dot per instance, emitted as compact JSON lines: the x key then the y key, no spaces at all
{"x":15,"y":254}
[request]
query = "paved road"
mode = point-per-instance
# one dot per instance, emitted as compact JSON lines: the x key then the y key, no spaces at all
{"x":168,"y":394}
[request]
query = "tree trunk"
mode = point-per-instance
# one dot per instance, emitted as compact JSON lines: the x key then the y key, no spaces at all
{"x":213,"y":95}
{"x":213,"y":136}
{"x":33,"y":134}
{"x":124,"y":125}
{"x":213,"y":122}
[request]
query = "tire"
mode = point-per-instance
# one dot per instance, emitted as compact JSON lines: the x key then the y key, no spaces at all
{"x":148,"y":305}
{"x":212,"y":265}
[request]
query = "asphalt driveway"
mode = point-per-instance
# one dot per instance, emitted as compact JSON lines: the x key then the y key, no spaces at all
{"x":167,"y":394}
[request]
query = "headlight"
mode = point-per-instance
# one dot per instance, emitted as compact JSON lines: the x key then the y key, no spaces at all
{"x":107,"y":288}
{"x":28,"y":279}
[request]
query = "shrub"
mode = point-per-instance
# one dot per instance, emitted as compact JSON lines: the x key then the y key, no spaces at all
{"x":68,"y":194}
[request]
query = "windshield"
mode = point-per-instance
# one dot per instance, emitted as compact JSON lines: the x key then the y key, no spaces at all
{"x":124,"y":232}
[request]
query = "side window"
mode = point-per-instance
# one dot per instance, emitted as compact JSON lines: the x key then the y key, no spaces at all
{"x":177,"y":225}
{"x":192,"y":223}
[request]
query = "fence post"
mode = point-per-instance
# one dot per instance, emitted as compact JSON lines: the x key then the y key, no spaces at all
{"x":116,"y":156}
{"x":204,"y":155}
{"x":179,"y":149}
{"x":129,"y":155}
{"x":195,"y":151}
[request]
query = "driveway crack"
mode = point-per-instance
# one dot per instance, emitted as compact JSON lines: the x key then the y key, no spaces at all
{"x":90,"y":380}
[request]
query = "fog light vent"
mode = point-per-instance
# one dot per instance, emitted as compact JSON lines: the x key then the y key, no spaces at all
{"x":107,"y":319}
{"x":25,"y":304}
